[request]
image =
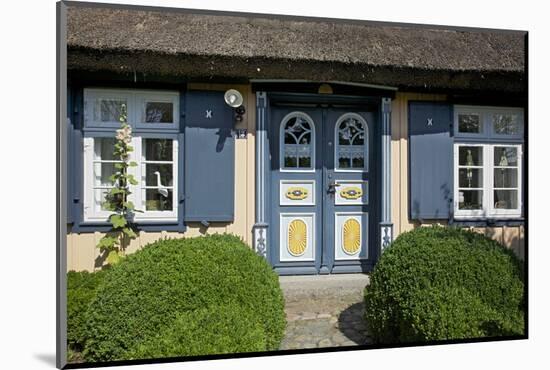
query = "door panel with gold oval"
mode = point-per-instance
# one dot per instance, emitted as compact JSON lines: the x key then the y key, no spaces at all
{"x":350,"y":236}
{"x":297,"y":236}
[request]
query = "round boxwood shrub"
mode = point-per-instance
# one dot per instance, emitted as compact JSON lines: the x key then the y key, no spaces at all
{"x":171,"y":286}
{"x":438,"y":283}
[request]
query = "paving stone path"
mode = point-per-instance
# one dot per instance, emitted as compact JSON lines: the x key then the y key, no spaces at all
{"x":331,"y":316}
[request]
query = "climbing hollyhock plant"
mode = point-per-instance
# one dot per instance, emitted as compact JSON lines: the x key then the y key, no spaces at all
{"x":122,"y":232}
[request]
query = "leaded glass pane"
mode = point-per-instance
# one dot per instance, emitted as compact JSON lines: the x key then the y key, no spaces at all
{"x":111,"y":110}
{"x":159,"y":112}
{"x":506,"y":124}
{"x":469,"y":123}
{"x":351,"y":146}
{"x":297,"y":146}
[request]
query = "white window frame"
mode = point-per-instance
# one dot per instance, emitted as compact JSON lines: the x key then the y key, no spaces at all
{"x":135,"y":100}
{"x":488,"y":210}
{"x":136,"y":196}
{"x":284,"y":121}
{"x":90,"y":213}
{"x":470,"y":212}
{"x":135,"y":105}
{"x":140,"y":188}
{"x":498,"y":212}
{"x":92,"y":95}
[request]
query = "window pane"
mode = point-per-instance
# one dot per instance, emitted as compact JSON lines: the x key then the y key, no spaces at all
{"x":470,"y":155}
{"x":506,"y":156}
{"x":103,"y":148}
{"x":158,"y":149}
{"x":469,"y":123}
{"x":297,"y":131}
{"x":470,"y":199}
{"x":297,"y":146}
{"x":158,"y":199}
{"x":305,"y":162}
{"x":344,"y":162}
{"x":290,"y":162}
{"x":358,"y":162}
{"x":102,"y":174}
{"x":506,"y":199}
{"x":352,"y":153}
{"x":470,"y":178}
{"x":160,"y":175}
{"x":505,"y":124}
{"x":111,"y":110}
{"x":351,"y":146}
{"x":159,"y":112}
{"x":506,"y":177}
{"x":100,"y":200}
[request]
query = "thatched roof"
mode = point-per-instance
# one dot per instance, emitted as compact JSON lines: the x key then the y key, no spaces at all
{"x":198,"y":45}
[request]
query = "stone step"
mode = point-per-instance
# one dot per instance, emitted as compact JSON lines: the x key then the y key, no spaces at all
{"x":342,"y":289}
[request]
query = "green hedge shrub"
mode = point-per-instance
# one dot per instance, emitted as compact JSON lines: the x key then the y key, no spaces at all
{"x":81,"y":290}
{"x":214,"y":330}
{"x":172,"y":280}
{"x":437,"y":283}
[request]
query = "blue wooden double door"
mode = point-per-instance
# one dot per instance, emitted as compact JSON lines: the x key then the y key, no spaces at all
{"x":323,"y":186}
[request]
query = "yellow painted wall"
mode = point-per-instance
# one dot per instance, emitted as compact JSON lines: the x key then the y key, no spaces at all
{"x":510,"y":236}
{"x":82,"y":253}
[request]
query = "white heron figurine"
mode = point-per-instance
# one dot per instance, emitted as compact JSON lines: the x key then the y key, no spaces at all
{"x":161,"y":189}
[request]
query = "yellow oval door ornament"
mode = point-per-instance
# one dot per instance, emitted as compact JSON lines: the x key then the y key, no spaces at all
{"x":351,"y":241}
{"x":297,"y":238}
{"x":351,"y":193}
{"x":296,"y":193}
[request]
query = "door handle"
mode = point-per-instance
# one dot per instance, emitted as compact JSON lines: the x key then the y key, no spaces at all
{"x":332,"y":187}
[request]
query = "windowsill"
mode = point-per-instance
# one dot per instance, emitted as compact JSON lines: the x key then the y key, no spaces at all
{"x":488,"y":221}
{"x":147,"y":226}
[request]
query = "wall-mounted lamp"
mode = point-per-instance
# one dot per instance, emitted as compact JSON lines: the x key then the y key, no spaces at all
{"x":234,"y":99}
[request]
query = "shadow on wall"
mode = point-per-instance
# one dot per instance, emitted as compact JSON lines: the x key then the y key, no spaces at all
{"x":193,"y":229}
{"x":446,"y":195}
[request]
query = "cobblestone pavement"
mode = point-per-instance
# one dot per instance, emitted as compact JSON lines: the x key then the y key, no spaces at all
{"x":324,"y":322}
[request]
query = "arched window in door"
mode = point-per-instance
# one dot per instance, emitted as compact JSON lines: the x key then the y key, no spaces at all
{"x":297,"y":142}
{"x":351,"y":143}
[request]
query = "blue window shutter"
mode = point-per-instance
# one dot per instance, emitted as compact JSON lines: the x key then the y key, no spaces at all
{"x":209,"y":158}
{"x":430,"y":160}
